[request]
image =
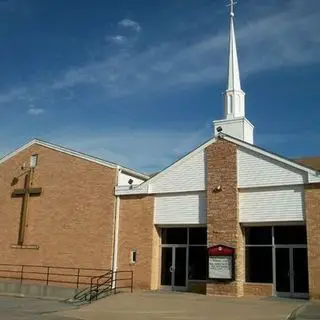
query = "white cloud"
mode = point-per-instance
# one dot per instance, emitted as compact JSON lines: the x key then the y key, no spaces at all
{"x":127,"y":23}
{"x":35,"y":111}
{"x":12,"y":95}
{"x":287,"y":38}
{"x":146,"y":150}
{"x":118,"y":39}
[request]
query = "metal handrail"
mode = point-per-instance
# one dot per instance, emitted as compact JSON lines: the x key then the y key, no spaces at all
{"x":23,"y":274}
{"x":109,"y":281}
{"x":110,"y":284}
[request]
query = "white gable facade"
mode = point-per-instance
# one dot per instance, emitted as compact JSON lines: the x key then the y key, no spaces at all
{"x":270,"y":188}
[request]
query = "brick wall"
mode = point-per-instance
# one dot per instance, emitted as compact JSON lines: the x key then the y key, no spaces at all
{"x":258,"y":289}
{"x":197,"y":287}
{"x":312,"y":207}
{"x":222,"y":212}
{"x":137,"y":231}
{"x":70,"y":223}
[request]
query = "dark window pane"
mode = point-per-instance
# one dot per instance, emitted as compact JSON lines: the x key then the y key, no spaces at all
{"x":198,"y":262}
{"x":166,"y":263}
{"x":198,"y":236}
{"x":174,"y":236}
{"x":259,"y":235}
{"x":259,"y":264}
{"x":290,"y":235}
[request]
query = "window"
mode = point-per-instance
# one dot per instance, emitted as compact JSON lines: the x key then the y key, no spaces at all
{"x":259,"y":264}
{"x":198,"y":261}
{"x":174,"y":236}
{"x":259,"y":235}
{"x":290,"y":235}
{"x":259,"y":254}
{"x":198,"y":236}
{"x":33,"y":161}
{"x":133,"y":256}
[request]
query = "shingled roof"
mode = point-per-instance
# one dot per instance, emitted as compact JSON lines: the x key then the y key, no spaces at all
{"x":311,"y":162}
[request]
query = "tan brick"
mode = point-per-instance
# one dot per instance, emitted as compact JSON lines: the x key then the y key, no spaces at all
{"x":137,"y":231}
{"x":312,"y":207}
{"x":258,"y":289}
{"x":72,"y":220}
{"x":222,"y":212}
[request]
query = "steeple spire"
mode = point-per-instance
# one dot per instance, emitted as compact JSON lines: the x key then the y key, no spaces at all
{"x":233,"y":68}
{"x":234,"y":96}
{"x":234,"y":123}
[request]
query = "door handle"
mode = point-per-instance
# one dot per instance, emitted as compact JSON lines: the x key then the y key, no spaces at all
{"x":171,"y":269}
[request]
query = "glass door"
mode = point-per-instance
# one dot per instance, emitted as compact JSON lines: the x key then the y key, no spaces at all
{"x":300,"y":272}
{"x":292,"y":271}
{"x":174,"y":268}
{"x":283,"y":276}
{"x":180,"y":268}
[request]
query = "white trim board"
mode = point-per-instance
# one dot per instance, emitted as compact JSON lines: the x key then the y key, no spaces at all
{"x":72,"y":153}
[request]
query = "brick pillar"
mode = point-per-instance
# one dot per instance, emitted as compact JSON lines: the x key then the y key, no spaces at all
{"x":312,"y":209}
{"x":222,"y":212}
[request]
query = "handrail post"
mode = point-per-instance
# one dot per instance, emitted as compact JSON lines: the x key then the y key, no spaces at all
{"x":97,"y":289}
{"x":21,"y":274}
{"x":48,"y":272}
{"x":90,"y":289}
{"x":78,"y":276}
{"x":131,"y":281}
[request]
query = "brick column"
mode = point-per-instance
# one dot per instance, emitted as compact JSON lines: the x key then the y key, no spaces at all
{"x":222,"y":212}
{"x":312,"y":209}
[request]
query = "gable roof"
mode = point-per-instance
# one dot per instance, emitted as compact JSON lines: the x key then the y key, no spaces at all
{"x":74,"y":153}
{"x":269,"y":154}
{"x":143,"y":186}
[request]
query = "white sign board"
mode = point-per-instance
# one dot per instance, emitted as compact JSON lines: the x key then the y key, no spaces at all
{"x":220,"y":267}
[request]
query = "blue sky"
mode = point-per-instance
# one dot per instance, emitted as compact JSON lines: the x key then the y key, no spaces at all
{"x":140,"y":82}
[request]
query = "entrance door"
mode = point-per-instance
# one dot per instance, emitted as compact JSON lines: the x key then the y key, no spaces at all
{"x":300,"y":272}
{"x":292,"y":272}
{"x":283,"y":279}
{"x":174,"y":268}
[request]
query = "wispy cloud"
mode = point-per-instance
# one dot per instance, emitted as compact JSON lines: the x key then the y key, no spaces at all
{"x":35,"y":111}
{"x":287,"y":38}
{"x":127,"y":23}
{"x":157,"y":148}
{"x":118,"y":39}
{"x":12,"y":95}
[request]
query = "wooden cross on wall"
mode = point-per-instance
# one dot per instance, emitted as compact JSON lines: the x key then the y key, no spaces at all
{"x":25,"y":193}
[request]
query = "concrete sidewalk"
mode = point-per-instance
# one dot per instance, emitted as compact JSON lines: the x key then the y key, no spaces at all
{"x":157,"y":305}
{"x":310,"y":311}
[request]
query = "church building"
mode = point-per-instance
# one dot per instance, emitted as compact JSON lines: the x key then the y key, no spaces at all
{"x":228,"y":218}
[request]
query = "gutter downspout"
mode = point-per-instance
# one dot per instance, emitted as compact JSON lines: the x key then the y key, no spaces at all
{"x":116,"y":230}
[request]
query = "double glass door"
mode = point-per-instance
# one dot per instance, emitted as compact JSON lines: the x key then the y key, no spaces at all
{"x":292,"y":271}
{"x":174,"y":267}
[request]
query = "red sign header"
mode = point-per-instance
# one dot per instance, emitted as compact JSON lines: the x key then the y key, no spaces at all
{"x":220,"y":250}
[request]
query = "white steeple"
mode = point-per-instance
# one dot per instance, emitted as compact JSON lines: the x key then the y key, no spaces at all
{"x":234,"y":122}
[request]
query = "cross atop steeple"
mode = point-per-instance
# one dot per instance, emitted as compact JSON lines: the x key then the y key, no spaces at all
{"x":231,"y":5}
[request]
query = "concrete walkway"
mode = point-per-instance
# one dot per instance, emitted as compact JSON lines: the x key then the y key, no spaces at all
{"x":183,"y":306}
{"x":310,"y":311}
{"x":27,"y":308}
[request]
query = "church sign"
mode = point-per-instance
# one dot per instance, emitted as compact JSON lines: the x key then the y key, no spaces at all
{"x":220,"y":262}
